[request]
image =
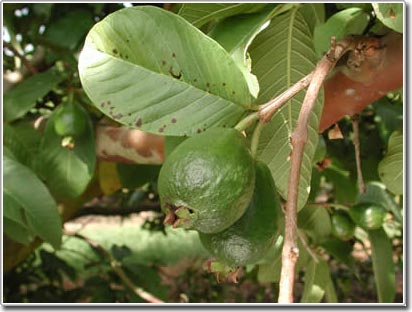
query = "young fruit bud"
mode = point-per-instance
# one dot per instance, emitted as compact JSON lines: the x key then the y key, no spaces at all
{"x":368,"y":216}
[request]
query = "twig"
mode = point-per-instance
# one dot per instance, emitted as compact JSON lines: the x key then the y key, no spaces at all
{"x":25,"y":61}
{"x":356,"y":143}
{"x":116,"y":266}
{"x":267,"y":110}
{"x":305,"y":244}
{"x":247,"y":121}
{"x":299,"y":138}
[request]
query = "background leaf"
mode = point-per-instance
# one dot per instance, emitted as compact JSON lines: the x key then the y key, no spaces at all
{"x":352,"y":21}
{"x":23,"y":141}
{"x":134,"y":176}
{"x":281,"y":55}
{"x":383,"y":266}
{"x":315,"y":220}
{"x":19,"y":100}
{"x":67,"y":171}
{"x":179,"y":88}
{"x":200,"y":13}
{"x":390,"y":14}
{"x":391,"y":167}
{"x":318,"y":283}
{"x":39,"y":207}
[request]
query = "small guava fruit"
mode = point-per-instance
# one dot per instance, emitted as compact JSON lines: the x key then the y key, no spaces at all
{"x":207,"y":182}
{"x":368,"y":216}
{"x":342,"y":226}
{"x":69,"y":120}
{"x":248,"y":239}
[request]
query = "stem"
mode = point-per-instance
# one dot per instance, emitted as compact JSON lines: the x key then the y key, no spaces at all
{"x":247,"y":121}
{"x":299,"y":138}
{"x":268,"y":109}
{"x":356,"y":143}
{"x":338,"y":206}
{"x":255,"y":139}
{"x":25,"y":61}
{"x":117,"y":268}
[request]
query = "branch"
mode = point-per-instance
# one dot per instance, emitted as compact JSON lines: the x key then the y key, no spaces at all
{"x":299,"y":138}
{"x":25,"y":61}
{"x":356,"y":143}
{"x":118,"y":269}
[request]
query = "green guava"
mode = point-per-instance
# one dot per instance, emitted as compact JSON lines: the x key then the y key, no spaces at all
{"x":207,"y":182}
{"x":69,"y":120}
{"x":342,"y":226}
{"x":368,"y":216}
{"x":249,"y":238}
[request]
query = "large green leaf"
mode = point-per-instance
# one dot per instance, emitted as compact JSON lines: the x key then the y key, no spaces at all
{"x":314,"y":14}
{"x":236,"y":33}
{"x":23,"y":141}
{"x":281,"y":55}
{"x":390,"y":14}
{"x":67,"y":171}
{"x":19,"y":100}
{"x":391,"y":167}
{"x":14,"y":221}
{"x":28,"y":192}
{"x":133,"y":176}
{"x":341,"y":251}
{"x":315,"y":220}
{"x":352,"y":21}
{"x":383,"y":266}
{"x":149,"y":68}
{"x":200,"y":13}
{"x":318,"y":283}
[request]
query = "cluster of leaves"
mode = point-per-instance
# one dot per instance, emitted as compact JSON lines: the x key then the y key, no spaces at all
{"x":176,"y":74}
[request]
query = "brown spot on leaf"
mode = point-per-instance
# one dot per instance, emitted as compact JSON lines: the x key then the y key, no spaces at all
{"x":199,"y":130}
{"x":173,"y":54}
{"x":207,"y":84}
{"x":163,"y":63}
{"x":117,"y":116}
{"x":173,"y":120}
{"x":115,"y":51}
{"x":161,"y":129}
{"x":224,"y":84}
{"x":139,"y":122}
{"x":392,"y":14}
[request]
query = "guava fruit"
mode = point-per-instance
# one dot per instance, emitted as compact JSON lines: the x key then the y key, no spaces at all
{"x":207,"y":182}
{"x":342,"y":226}
{"x":368,"y":216}
{"x":249,"y":238}
{"x":69,"y":120}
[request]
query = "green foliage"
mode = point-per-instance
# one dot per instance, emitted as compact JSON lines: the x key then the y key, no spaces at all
{"x":33,"y":202}
{"x":282,"y":55}
{"x":198,"y":78}
{"x":390,"y":14}
{"x":23,"y":97}
{"x":391,"y":167}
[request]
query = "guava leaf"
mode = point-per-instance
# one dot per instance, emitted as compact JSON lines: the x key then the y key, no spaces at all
{"x":40,"y":209}
{"x":318,"y":283}
{"x":341,"y":251}
{"x":281,"y":55}
{"x":352,"y":21}
{"x":150,"y":69}
{"x":390,"y":14}
{"x":236,"y":33}
{"x":23,"y":141}
{"x":314,"y":14}
{"x":391,"y":167}
{"x":201,"y":13}
{"x":67,"y":172}
{"x":19,"y":100}
{"x":383,"y":266}
{"x":315,"y":220}
{"x":133,"y":176}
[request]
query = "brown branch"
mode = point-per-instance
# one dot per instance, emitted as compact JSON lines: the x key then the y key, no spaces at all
{"x":299,"y":138}
{"x":117,"y":268}
{"x":25,"y":61}
{"x":356,"y":144}
{"x":267,"y":110}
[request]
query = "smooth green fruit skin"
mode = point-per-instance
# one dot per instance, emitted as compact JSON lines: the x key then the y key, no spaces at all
{"x":213,"y":174}
{"x":69,"y":120}
{"x":250,"y":238}
{"x":369,"y":216}
{"x":342,"y":226}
